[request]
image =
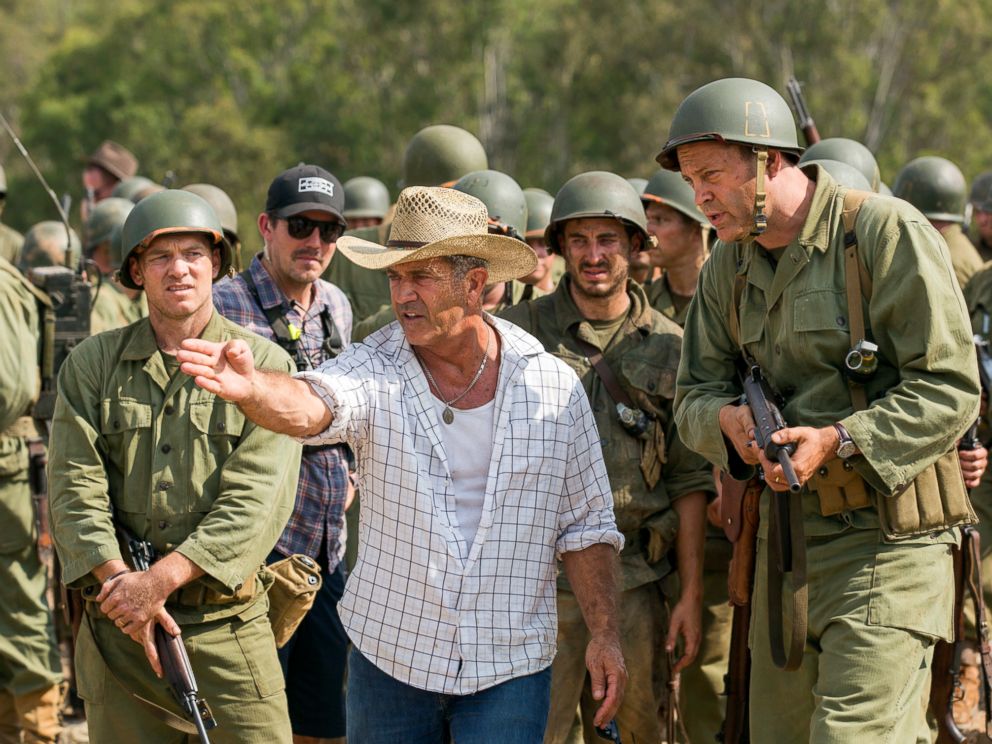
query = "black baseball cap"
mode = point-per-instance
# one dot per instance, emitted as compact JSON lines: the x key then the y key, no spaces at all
{"x":305,"y":188}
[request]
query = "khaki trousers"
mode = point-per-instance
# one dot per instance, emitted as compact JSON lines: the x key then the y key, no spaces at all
{"x":875,"y":611}
{"x":642,"y":636}
{"x":236,"y":668}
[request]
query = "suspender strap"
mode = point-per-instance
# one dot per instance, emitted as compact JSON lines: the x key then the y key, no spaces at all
{"x":285,"y":335}
{"x":857,"y":282}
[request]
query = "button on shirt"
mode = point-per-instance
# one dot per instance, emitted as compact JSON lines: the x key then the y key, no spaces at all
{"x":320,"y":498}
{"x":413,"y":605}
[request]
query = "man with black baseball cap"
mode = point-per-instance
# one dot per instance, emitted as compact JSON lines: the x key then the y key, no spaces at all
{"x":281,"y":297}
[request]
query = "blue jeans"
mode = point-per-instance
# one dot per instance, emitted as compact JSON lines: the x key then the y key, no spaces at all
{"x":383,"y":710}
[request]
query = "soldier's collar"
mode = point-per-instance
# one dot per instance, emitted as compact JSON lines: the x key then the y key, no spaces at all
{"x":143,"y":344}
{"x":815,"y":232}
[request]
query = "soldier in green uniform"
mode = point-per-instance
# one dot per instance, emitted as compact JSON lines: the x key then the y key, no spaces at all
{"x":366,"y":201}
{"x":10,"y":239}
{"x":136,"y":188}
{"x":550,"y":266}
{"x":849,"y":151}
{"x":114,"y":305}
{"x":507,"y":207}
{"x":184,"y":470}
{"x":882,"y":492}
{"x":659,"y":486}
{"x":681,"y":235}
{"x":46,"y":244}
{"x":30,"y":672}
{"x":936,"y":187}
{"x":981,"y":204}
{"x":227,"y":213}
{"x":437,"y":155}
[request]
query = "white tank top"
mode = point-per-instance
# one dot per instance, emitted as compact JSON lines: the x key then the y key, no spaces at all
{"x":468,"y":443}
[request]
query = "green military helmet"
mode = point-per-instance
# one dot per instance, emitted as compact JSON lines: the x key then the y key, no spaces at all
{"x":440,"y":154}
{"x":843,"y":173}
{"x":223,"y":207}
{"x":935,"y":186}
{"x":503,"y":197}
{"x":639,"y":184}
{"x":136,"y":188}
{"x":981,"y":192}
{"x":844,"y":150}
{"x":739,"y":110}
{"x":45,"y":245}
{"x":596,"y":194}
{"x":365,"y":197}
{"x":117,"y":245}
{"x":101,"y":221}
{"x":539,"y":205}
{"x":668,"y":187}
{"x":167,"y":212}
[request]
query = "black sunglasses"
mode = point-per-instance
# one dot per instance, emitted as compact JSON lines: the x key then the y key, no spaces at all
{"x":610,"y":732}
{"x":302,"y":227}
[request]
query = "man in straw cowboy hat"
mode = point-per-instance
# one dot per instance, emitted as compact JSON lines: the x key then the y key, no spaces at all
{"x":479,"y":464}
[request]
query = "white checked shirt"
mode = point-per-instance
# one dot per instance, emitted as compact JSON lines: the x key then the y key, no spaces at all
{"x":414,"y":605}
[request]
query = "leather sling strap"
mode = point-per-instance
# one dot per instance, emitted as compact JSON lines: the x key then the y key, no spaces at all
{"x":799,"y":588}
{"x":971,"y":555}
{"x":605,"y":372}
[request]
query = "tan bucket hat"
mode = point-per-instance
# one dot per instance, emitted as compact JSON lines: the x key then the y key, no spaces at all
{"x":433,"y":221}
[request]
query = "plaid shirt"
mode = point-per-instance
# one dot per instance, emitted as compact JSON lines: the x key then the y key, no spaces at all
{"x":320,"y":497}
{"x":414,"y":606}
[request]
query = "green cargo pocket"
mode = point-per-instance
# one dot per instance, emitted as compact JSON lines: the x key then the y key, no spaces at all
{"x":125,"y":424}
{"x":16,"y":507}
{"x":258,"y":646}
{"x":217,"y":427}
{"x":912,"y":588}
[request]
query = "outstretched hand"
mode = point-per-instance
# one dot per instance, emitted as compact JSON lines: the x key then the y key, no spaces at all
{"x":226,"y":369}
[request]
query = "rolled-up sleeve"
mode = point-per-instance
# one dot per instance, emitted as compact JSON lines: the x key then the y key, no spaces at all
{"x":587,"y":514}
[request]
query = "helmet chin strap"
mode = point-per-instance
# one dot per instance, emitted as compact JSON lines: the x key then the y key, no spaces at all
{"x":760,"y":218}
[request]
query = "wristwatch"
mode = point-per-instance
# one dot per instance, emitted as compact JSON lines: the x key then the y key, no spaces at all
{"x":846,"y":446}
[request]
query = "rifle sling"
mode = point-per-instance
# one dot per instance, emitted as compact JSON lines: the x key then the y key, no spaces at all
{"x":605,"y":372}
{"x":799,"y":589}
{"x":167,"y":717}
{"x":971,"y":556}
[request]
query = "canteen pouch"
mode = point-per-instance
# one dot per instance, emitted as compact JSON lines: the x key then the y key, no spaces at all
{"x":296,"y":581}
{"x":839,"y":488}
{"x":936,"y":499}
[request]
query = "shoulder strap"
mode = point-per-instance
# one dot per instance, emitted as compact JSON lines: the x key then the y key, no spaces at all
{"x":856,"y":280}
{"x":605,"y":372}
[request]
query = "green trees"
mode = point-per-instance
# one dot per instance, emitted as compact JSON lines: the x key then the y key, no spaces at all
{"x":231,"y":93}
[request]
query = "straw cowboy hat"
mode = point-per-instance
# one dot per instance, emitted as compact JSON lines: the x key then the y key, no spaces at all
{"x":436,"y":221}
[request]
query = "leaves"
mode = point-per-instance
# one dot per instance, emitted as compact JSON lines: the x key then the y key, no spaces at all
{"x":233,"y":93}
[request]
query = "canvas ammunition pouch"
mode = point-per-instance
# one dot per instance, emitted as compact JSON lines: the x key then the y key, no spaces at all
{"x":296,"y":583}
{"x":839,"y":488}
{"x":936,"y":499}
